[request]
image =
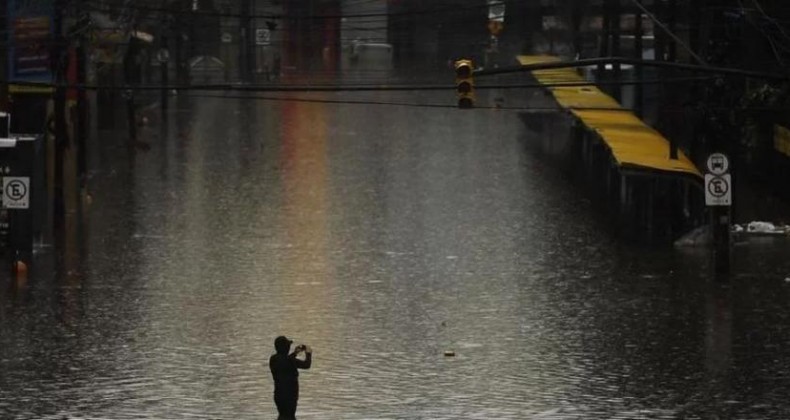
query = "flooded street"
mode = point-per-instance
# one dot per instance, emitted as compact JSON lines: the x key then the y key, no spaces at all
{"x":382,"y":236}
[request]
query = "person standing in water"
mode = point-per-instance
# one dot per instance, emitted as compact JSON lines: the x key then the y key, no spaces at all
{"x":285,"y":373}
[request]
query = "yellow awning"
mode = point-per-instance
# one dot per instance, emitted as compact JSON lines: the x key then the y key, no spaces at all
{"x":633,"y":143}
{"x":16,"y":88}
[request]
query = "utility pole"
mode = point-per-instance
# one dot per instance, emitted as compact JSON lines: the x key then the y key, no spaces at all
{"x":665,"y":51}
{"x":59,"y":57}
{"x":245,"y":58}
{"x":4,"y":54}
{"x":82,"y":102}
{"x":659,"y":37}
{"x":576,"y":28}
{"x":639,"y":93}
{"x":603,"y":48}
{"x":614,"y":24}
{"x":695,"y":21}
{"x":164,"y":62}
{"x":671,"y":13}
{"x":130,"y":78}
{"x":178,"y":55}
{"x":671,"y":19}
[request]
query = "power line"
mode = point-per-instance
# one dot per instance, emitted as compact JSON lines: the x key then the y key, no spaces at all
{"x":349,"y":88}
{"x":536,"y":109}
{"x":766,"y":35}
{"x":307,"y":17}
{"x":388,"y":103}
{"x":668,"y":32}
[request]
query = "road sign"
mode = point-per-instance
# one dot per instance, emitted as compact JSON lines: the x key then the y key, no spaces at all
{"x":496,"y":10}
{"x":163,"y":55}
{"x":16,"y":192}
{"x":263,"y":36}
{"x":718,"y":164}
{"x":718,"y":190}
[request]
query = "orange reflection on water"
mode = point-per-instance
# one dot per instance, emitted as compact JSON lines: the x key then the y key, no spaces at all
{"x":304,"y":219}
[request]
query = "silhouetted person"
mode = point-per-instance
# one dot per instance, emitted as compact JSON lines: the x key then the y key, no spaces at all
{"x":285,"y":374}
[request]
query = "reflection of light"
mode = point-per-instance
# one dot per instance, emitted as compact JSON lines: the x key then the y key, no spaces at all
{"x":304,"y":217}
{"x":718,"y":337}
{"x":72,"y":238}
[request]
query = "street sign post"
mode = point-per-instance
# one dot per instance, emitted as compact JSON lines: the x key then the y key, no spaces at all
{"x":16,"y":192}
{"x":718,"y":190}
{"x":496,"y":10}
{"x":718,"y":164}
{"x":718,"y":196}
{"x":22,"y":199}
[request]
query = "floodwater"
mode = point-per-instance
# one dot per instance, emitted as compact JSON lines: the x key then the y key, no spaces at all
{"x":382,"y":236}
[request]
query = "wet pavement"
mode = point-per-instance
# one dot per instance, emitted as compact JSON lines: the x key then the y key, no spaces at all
{"x":382,"y":236}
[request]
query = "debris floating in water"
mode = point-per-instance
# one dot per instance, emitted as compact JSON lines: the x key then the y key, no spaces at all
{"x":449,"y":353}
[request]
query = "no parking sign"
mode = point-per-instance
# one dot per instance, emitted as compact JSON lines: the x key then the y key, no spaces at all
{"x":718,"y":182}
{"x":16,"y":192}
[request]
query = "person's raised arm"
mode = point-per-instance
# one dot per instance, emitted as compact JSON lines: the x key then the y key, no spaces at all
{"x":308,"y":358}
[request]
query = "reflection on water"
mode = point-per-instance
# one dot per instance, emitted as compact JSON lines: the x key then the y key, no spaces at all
{"x":383,"y":237}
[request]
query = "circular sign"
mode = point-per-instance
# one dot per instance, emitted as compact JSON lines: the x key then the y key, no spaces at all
{"x":718,"y":187}
{"x":718,"y":164}
{"x":163,"y":55}
{"x":16,"y":190}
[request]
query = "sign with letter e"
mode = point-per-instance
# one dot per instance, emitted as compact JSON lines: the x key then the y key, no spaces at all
{"x":718,"y":190}
{"x":16,"y":192}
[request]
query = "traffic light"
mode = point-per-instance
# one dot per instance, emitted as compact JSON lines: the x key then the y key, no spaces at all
{"x":464,"y":84}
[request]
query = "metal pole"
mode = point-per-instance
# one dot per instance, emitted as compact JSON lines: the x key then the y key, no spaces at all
{"x":4,"y":55}
{"x":603,"y":48}
{"x":130,"y":78}
{"x":576,"y":26}
{"x":244,"y":41}
{"x":82,"y":112}
{"x":250,"y":42}
{"x":178,"y":55}
{"x":639,"y":70}
{"x":672,"y":57}
{"x":694,"y":26}
{"x":720,"y":225}
{"x":665,"y":51}
{"x":164,"y":64}
{"x":672,"y":13}
{"x":614,"y":24}
{"x":61,"y":135}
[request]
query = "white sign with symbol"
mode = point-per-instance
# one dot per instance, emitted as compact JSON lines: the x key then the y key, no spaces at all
{"x":496,"y":10}
{"x":16,"y":192}
{"x":718,"y":190}
{"x":163,"y":55}
{"x":263,"y":36}
{"x":718,"y":164}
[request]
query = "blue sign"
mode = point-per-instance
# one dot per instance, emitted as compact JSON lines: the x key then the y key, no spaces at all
{"x":30,"y":37}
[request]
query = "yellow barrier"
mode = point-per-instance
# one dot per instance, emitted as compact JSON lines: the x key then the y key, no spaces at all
{"x":633,"y":143}
{"x":782,"y":140}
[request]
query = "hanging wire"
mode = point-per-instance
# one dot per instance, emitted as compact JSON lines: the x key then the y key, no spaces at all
{"x":668,"y":32}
